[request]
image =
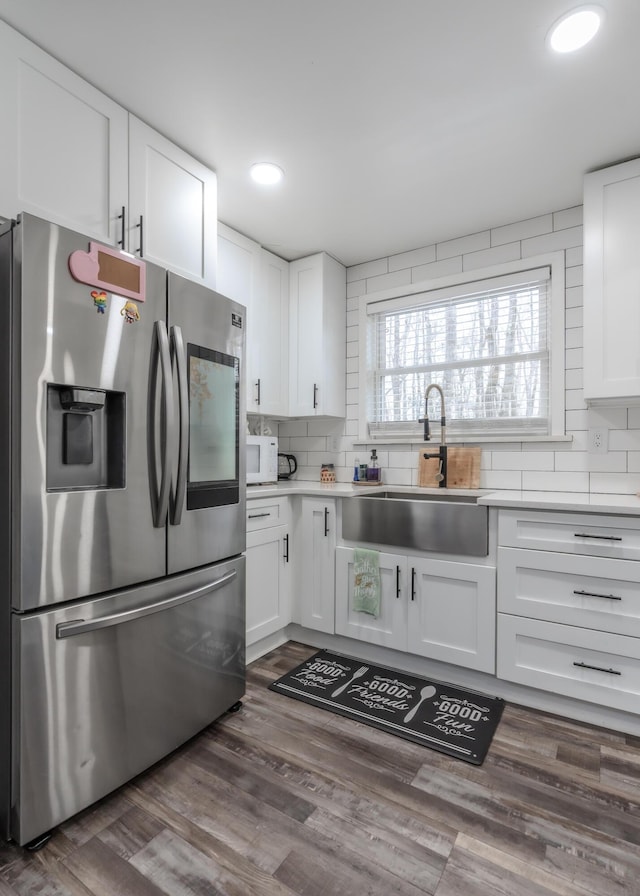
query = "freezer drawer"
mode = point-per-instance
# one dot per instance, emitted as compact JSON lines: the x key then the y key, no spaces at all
{"x":105,"y":688}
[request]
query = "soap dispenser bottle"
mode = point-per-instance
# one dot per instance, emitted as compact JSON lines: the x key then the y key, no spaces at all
{"x":373,"y":470}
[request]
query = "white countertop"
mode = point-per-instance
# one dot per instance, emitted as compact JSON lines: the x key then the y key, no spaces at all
{"x":567,"y":501}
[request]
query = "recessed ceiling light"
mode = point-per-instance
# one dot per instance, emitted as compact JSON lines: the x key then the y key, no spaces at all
{"x":575,"y":29}
{"x":266,"y":173}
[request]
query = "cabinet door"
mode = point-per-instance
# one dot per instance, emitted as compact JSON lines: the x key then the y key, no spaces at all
{"x":317,"y":337}
{"x":452,"y":613}
{"x":268,"y":582}
{"x":315,"y":581}
{"x":389,"y":629}
{"x":238,"y":276}
{"x":172,"y":202}
{"x":612,"y":282}
{"x":63,"y":144}
{"x":271,"y":337}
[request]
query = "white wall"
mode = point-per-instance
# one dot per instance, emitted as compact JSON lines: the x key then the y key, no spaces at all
{"x":539,"y":466}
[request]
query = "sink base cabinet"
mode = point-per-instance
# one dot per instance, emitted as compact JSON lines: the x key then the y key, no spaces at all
{"x":432,"y":608}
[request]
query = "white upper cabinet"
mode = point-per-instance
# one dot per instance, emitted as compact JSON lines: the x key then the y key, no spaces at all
{"x":72,"y":156}
{"x":172,"y":206}
{"x":612,"y":283}
{"x":63,"y":144}
{"x":317,"y":340}
{"x":270,"y":326}
{"x":260,"y":281}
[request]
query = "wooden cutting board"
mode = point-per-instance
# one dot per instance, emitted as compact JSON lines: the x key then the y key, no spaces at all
{"x":463,"y":468}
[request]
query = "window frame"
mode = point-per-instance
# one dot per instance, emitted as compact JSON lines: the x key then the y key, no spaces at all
{"x":414,"y":295}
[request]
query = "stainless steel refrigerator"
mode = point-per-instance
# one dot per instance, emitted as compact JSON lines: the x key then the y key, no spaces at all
{"x":122,"y":524}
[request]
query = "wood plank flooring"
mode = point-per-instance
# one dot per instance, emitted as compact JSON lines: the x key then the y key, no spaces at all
{"x":285,"y":799}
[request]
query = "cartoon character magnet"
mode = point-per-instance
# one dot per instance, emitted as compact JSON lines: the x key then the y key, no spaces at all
{"x":99,"y":300}
{"x":130,"y":312}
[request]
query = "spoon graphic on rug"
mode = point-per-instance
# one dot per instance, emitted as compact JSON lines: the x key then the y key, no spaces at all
{"x":359,"y":672}
{"x":425,"y":693}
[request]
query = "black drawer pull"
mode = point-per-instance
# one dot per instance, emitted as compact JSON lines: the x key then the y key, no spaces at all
{"x":600,"y":537}
{"x":286,"y":548}
{"x":597,"y":668}
{"x":258,"y":516}
{"x":594,"y":594}
{"x":397,"y":581}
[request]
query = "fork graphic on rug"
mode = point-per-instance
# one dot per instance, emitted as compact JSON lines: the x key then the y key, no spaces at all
{"x":357,"y":674}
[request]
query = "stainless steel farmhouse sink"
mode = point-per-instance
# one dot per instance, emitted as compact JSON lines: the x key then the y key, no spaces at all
{"x":426,"y":521}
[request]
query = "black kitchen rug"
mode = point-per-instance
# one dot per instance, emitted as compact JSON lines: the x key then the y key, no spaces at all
{"x":457,"y":722}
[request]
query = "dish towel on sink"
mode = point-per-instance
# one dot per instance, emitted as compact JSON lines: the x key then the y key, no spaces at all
{"x":366,"y":582}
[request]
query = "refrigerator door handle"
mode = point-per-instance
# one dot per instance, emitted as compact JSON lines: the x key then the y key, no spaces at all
{"x":179,"y":363}
{"x":82,"y":626}
{"x":160,"y":358}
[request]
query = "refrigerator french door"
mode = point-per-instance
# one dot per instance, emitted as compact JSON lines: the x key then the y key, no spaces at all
{"x":122,"y":531}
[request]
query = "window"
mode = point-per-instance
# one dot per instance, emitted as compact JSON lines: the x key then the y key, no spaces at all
{"x":495,"y":346}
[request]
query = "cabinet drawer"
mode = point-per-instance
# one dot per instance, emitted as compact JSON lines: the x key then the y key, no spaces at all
{"x":594,"y":666}
{"x":592,"y":592}
{"x":572,"y":533}
{"x":263,"y":513}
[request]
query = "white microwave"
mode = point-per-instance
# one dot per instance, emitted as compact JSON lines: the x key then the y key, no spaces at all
{"x":262,"y":459}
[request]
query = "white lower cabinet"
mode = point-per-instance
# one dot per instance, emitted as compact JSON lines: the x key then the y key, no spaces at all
{"x":268,"y":568}
{"x":568,"y":608}
{"x":315,"y":563}
{"x":440,"y":609}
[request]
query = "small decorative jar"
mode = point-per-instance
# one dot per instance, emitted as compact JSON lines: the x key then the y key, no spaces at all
{"x":327,"y":473}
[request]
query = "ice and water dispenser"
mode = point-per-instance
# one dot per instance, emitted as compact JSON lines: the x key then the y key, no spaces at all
{"x":85,"y":438}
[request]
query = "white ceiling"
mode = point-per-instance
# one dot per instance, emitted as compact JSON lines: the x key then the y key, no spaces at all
{"x":399,"y":123}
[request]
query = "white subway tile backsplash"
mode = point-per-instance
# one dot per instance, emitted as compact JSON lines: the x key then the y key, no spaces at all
{"x":496,"y":255}
{"x":573,"y":276}
{"x":573,"y":297}
{"x":573,"y":358}
{"x":521,"y":230}
{"x":356,"y":288}
{"x":412,"y":259}
{"x":367,"y":269}
{"x":551,"y":242}
{"x":517,"y":460}
{"x":532,"y":480}
{"x":573,"y":338}
{"x":501,"y":479}
{"x":437,"y":269}
{"x":573,"y":317}
{"x":569,"y":217}
{"x":389,"y":281}
{"x":471,"y":243}
{"x":573,"y":256}
{"x":614,"y":483}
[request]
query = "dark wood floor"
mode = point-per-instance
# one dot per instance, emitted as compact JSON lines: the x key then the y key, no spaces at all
{"x":283,"y":798}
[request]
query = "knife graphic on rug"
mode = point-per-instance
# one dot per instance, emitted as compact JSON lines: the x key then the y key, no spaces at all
{"x":425,"y":693}
{"x":355,"y":675}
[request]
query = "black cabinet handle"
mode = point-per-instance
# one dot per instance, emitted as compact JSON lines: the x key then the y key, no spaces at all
{"x":258,"y":388}
{"x":594,"y":594}
{"x":599,"y":537}
{"x":286,"y":548}
{"x":597,"y":668}
{"x":413,"y":583}
{"x":121,"y":217}
{"x":326,"y":521}
{"x":258,"y":516}
{"x":141,"y":247}
{"x":315,"y":395}
{"x":397,"y":581}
